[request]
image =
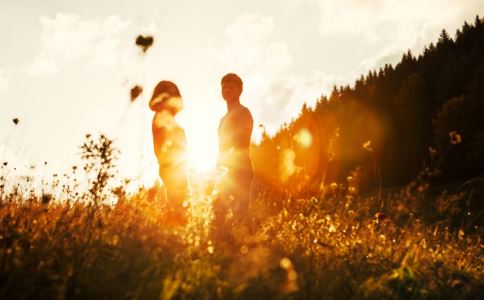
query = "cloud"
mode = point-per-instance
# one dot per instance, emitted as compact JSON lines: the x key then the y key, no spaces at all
{"x":270,"y":91}
{"x":12,"y":158}
{"x":372,"y":32}
{"x":284,"y":96}
{"x":391,"y":25}
{"x":368,"y":18}
{"x":348,"y":17}
{"x":249,"y":27}
{"x":4,"y":81}
{"x":68,"y":37}
{"x":249,"y":46}
{"x":43,"y":65}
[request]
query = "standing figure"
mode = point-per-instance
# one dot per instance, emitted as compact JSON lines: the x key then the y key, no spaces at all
{"x":170,"y":146}
{"x":235,"y":130}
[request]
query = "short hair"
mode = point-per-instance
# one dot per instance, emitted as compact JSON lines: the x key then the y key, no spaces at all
{"x":232,"y":78}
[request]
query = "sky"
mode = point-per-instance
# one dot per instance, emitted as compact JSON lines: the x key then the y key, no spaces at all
{"x":67,"y":67}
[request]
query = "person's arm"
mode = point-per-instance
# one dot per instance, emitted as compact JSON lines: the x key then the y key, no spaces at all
{"x":156,"y":138}
{"x":242,"y":130}
{"x":179,"y":146}
{"x":221,"y":149}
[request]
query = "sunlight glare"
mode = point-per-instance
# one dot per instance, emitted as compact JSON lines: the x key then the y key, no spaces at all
{"x":202,"y":139}
{"x":287,"y":167}
{"x":304,"y":138}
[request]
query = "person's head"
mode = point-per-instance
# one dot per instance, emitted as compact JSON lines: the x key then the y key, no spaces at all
{"x":232,"y":87}
{"x":166,"y":96}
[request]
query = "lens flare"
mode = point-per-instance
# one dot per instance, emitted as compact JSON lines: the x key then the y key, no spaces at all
{"x":304,"y":138}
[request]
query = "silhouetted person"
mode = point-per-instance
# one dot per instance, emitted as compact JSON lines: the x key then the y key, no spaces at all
{"x":170,"y":147}
{"x":235,"y":130}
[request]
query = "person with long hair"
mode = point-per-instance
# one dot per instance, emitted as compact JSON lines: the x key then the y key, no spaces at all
{"x":170,"y":147}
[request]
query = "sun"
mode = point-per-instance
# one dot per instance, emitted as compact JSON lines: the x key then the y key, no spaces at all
{"x":202,"y":158}
{"x":202,"y":139}
{"x":199,"y":120}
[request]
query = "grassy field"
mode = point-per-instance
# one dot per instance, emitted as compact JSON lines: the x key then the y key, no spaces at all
{"x":335,"y":245}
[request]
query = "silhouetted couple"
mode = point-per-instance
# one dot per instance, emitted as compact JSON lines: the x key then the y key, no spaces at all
{"x":231,"y":206}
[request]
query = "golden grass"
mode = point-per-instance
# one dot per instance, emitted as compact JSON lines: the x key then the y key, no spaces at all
{"x":334,"y":247}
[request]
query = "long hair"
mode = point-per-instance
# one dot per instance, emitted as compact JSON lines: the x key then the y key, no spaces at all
{"x":166,"y":95}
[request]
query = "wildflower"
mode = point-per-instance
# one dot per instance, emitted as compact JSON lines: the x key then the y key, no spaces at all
{"x":455,"y":138}
{"x":380,"y":217}
{"x":144,"y":42}
{"x":461,"y":234}
{"x":135,"y":92}
{"x":46,"y":198}
{"x":367,"y":146}
{"x":432,"y":151}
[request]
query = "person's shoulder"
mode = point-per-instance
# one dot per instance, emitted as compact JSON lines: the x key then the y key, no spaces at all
{"x":244,"y":112}
{"x":178,"y":129}
{"x":222,"y":119}
{"x":244,"y":108}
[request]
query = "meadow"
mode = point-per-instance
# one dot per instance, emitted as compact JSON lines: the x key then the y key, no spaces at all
{"x":409,"y":243}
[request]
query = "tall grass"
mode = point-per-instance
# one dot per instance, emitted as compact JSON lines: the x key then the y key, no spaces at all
{"x":334,"y":245}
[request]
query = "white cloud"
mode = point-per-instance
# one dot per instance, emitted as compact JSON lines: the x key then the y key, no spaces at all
{"x":346,"y":17}
{"x":273,"y":95}
{"x":370,"y":18}
{"x":249,"y":46}
{"x":392,"y":25}
{"x":149,"y":29}
{"x":249,"y":27}
{"x":43,"y":66}
{"x":4,"y":81}
{"x":373,"y":32}
{"x":282,"y":97}
{"x":12,"y":158}
{"x":68,"y":37}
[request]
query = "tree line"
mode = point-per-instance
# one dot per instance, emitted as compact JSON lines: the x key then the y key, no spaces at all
{"x":424,"y":113}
